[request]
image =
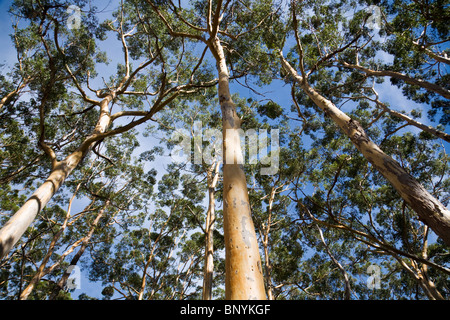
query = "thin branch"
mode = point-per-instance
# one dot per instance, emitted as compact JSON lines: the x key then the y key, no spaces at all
{"x":190,"y":25}
{"x":127,"y":80}
{"x":44,"y":146}
{"x":331,"y":54}
{"x":253,"y":28}
{"x":208,"y":17}
{"x":385,"y":109}
{"x":429,"y":129}
{"x":17,"y":90}
{"x":128,"y":113}
{"x":124,"y":43}
{"x":348,"y":288}
{"x":191,"y":79}
{"x":381,"y":245}
{"x":439,"y":58}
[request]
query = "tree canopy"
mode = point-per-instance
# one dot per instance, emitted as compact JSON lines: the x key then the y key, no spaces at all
{"x":238,"y":149}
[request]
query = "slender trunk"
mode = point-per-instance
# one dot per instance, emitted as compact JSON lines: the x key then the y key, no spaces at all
{"x":146,"y":266}
{"x":151,"y":255}
{"x":244,"y":279}
{"x":432,"y":212}
{"x":423,"y":269}
{"x":23,"y":218}
{"x":209,"y":230}
{"x":209,"y":248}
{"x":62,"y":282}
{"x":268,"y":268}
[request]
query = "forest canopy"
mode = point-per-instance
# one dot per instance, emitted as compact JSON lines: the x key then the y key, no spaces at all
{"x":237,"y":149}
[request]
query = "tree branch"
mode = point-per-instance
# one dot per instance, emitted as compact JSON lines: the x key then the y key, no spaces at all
{"x":387,"y":73}
{"x":440,"y":58}
{"x":299,"y":44}
{"x":216,"y":20}
{"x":75,"y":81}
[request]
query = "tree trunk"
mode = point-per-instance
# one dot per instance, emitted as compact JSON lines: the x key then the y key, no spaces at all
{"x":24,"y":217}
{"x":417,"y":82}
{"x":244,"y":279}
{"x":40,"y":272}
{"x":265,"y":243}
{"x":213,"y":175}
{"x":62,"y":282}
{"x":429,"y":209}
